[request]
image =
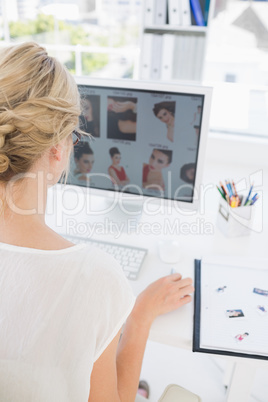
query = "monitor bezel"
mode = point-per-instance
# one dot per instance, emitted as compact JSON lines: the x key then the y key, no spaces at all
{"x":176,"y":88}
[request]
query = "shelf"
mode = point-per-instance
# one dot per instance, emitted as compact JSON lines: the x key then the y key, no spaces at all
{"x":173,"y":52}
{"x":176,"y":28}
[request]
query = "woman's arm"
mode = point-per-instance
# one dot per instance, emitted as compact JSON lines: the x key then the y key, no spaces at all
{"x":170,"y":133}
{"x":170,"y":130}
{"x":165,"y":295}
{"x":115,"y":375}
{"x":121,"y":107}
{"x":126,"y":181}
{"x":103,"y":380}
{"x":114,"y":177}
{"x":126,"y":178}
{"x":127,"y":126}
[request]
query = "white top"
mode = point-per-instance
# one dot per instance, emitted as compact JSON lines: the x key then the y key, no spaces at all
{"x":59,"y":310}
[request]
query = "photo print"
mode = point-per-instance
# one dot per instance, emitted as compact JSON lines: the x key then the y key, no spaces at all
{"x":122,"y":118}
{"x":234,"y":313}
{"x":89,"y":121}
{"x":165,"y":112}
{"x":152,"y":177}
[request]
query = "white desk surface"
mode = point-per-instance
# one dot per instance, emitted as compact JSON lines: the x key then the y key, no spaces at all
{"x":176,"y":328}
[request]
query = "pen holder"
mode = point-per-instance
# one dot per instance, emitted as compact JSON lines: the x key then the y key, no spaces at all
{"x":235,"y":222}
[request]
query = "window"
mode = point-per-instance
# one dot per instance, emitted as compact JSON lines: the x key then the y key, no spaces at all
{"x":91,"y":37}
{"x":100,"y":38}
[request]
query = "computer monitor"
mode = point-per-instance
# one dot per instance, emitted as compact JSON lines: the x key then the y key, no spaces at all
{"x":148,"y":139}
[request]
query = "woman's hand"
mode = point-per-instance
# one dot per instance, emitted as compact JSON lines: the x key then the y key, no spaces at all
{"x":162,"y":296}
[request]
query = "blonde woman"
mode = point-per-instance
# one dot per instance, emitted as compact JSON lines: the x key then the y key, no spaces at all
{"x":62,"y":305}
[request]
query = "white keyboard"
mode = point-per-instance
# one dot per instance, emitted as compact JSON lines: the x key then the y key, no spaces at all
{"x":130,"y":258}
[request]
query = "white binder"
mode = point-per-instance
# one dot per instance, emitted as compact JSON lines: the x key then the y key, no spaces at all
{"x":156,"y":57}
{"x":185,"y":12}
{"x":149,"y":11}
{"x":167,"y":57}
{"x":174,"y":12}
{"x":146,"y":62}
{"x":160,"y":17}
{"x":178,"y":64}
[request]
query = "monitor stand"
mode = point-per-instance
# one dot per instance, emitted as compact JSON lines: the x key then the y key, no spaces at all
{"x":117,"y":212}
{"x":125,"y":213}
{"x":81,"y":211}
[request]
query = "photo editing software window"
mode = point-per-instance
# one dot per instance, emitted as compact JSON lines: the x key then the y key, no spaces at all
{"x":142,"y":142}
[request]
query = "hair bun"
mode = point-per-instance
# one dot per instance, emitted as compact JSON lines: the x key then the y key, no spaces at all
{"x":4,"y":163}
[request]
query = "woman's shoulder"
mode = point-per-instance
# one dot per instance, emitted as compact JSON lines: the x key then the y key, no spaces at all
{"x":101,"y":274}
{"x":95,"y":262}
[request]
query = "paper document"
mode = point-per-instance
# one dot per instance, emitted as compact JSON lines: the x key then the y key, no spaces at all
{"x":231,"y":307}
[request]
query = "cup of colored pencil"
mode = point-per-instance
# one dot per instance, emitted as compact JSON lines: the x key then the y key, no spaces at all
{"x":234,"y":216}
{"x":229,"y":194}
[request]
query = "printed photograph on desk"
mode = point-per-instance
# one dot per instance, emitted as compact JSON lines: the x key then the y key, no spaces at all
{"x":89,"y":121}
{"x":261,"y":292}
{"x":262,"y":310}
{"x":121,"y":118}
{"x":234,"y":313}
{"x":241,"y":337}
{"x":221,"y":290}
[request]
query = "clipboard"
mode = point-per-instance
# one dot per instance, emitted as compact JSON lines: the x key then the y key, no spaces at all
{"x":197,"y":328}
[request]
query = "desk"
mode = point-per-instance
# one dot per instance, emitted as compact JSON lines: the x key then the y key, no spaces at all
{"x":202,"y":238}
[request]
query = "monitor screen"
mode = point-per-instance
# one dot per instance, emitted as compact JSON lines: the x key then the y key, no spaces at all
{"x":146,"y":138}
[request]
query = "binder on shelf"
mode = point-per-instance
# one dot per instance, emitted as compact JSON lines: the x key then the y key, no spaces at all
{"x":199,"y":57}
{"x":146,"y":61}
{"x":184,"y":44}
{"x":167,"y":58}
{"x":160,"y":15}
{"x":185,"y":12}
{"x":174,"y":12}
{"x":191,"y":57}
{"x":197,"y":13}
{"x":156,"y":52}
{"x":179,"y":59}
{"x":206,"y":11}
{"x":149,"y":13}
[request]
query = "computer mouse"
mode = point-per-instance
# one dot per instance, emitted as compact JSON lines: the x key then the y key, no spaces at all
{"x":169,"y":251}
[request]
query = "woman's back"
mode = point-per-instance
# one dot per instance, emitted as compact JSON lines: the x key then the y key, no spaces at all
{"x":49,"y":300}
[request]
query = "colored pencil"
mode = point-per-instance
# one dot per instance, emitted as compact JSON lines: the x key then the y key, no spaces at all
{"x":221,"y":192}
{"x":250,"y":190}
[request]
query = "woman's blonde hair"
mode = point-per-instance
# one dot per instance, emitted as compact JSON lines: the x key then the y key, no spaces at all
{"x":39,"y":106}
